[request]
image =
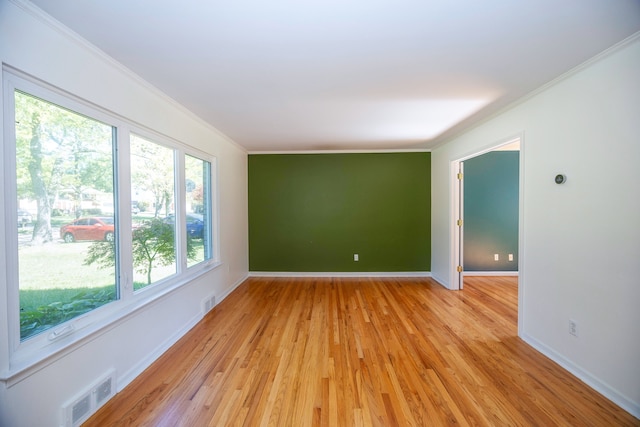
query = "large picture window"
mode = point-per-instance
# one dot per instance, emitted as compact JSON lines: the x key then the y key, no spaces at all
{"x":103,"y":216}
{"x":65,"y":200}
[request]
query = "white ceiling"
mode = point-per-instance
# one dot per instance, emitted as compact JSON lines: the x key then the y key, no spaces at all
{"x":347,"y":74}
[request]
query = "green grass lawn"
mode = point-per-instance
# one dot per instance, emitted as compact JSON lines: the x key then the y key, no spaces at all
{"x":56,"y":286}
{"x":60,"y":266}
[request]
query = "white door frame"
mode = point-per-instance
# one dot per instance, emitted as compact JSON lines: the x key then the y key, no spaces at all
{"x":457,"y":184}
{"x":457,"y":201}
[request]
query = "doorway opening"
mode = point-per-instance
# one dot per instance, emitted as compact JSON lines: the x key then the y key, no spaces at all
{"x":484,"y":259}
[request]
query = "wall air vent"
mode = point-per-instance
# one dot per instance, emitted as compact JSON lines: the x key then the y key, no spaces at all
{"x":104,"y":392}
{"x":208,"y":304}
{"x":85,"y":404}
{"x":81,"y":410}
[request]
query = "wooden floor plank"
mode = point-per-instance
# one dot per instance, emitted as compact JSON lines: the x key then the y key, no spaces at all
{"x":359,"y":352}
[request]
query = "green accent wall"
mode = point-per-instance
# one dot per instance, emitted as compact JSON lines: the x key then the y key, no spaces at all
{"x":491,"y":203}
{"x":312,"y":212}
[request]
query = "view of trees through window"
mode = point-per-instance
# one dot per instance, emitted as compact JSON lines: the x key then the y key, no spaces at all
{"x":65,"y":193}
{"x":68,"y":237}
{"x":152,"y":202}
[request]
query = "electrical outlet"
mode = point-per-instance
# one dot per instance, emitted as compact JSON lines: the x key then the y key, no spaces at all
{"x":356,"y":257}
{"x":496,"y":257}
{"x":573,"y":328}
{"x":510,"y":257}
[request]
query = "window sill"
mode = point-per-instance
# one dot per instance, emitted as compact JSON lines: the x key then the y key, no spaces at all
{"x":25,"y":363}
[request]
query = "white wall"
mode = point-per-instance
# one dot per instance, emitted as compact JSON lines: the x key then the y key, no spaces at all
{"x":581,"y":240}
{"x":31,"y":44}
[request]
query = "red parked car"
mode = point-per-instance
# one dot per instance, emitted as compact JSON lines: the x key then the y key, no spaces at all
{"x":93,"y":228}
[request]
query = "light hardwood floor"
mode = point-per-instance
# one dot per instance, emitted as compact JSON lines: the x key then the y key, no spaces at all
{"x":359,"y":352}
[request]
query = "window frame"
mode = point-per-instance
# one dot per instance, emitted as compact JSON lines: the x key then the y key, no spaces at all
{"x":19,"y":358}
{"x":210,"y":204}
{"x":154,"y":139}
{"x":30,"y":88}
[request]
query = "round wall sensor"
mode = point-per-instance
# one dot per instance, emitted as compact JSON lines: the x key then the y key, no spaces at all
{"x":561,"y":179}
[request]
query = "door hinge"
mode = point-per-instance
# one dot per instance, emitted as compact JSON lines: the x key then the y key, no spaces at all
{"x":460,"y":176}
{"x":459,"y":223}
{"x":459,"y":269}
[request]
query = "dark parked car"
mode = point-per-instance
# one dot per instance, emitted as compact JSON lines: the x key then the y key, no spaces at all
{"x":195,"y":224}
{"x":24,"y":218}
{"x":92,"y":228}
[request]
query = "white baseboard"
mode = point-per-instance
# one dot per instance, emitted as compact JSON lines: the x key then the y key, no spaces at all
{"x":339,"y":274}
{"x":490,"y":273}
{"x":604,"y":389}
{"x":441,"y":282}
{"x":132,"y":373}
{"x":138,"y":368}
{"x":230,"y":289}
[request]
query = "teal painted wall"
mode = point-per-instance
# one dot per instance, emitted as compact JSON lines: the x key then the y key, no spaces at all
{"x":491,"y":187}
{"x":312,"y":212}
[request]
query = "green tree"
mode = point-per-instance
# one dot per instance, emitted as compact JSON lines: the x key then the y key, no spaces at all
{"x":153,"y":245}
{"x":152,"y":170}
{"x":58,"y":152}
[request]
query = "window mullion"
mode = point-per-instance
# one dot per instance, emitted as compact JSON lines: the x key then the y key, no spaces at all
{"x":181,"y":220}
{"x":123,"y":201}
